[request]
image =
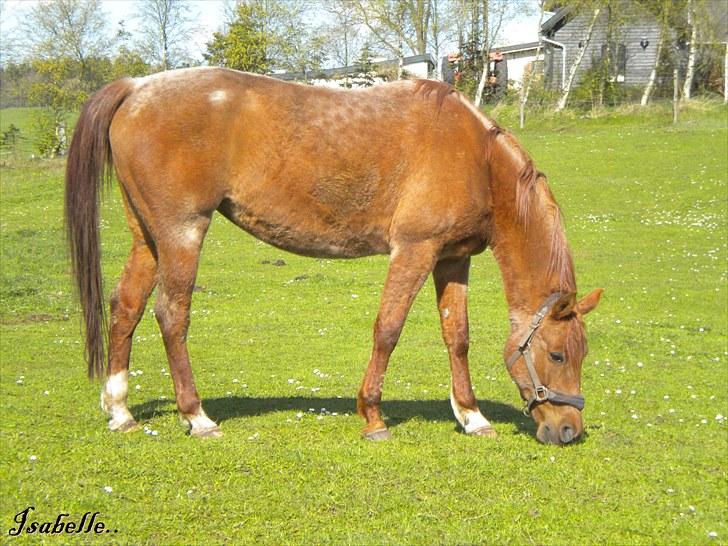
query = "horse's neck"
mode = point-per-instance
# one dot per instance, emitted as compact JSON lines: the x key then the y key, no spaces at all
{"x":528,"y":244}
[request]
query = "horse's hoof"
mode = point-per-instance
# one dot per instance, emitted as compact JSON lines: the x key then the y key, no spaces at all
{"x":487,"y":431}
{"x":212,"y":432}
{"x":127,"y":426}
{"x":378,"y":435}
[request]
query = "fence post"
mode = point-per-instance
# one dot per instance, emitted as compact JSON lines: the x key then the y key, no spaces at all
{"x":725,"y":75}
{"x":675,"y":96}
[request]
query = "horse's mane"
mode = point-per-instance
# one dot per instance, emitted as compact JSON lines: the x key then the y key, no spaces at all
{"x":441,"y":90}
{"x":529,"y":203}
{"x":527,"y":198}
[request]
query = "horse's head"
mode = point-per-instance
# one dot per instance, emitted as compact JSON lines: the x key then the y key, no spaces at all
{"x":544,"y":354}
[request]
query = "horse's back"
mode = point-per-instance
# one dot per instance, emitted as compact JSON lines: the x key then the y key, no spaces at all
{"x":317,"y":171}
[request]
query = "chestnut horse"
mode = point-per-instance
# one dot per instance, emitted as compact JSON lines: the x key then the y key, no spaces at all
{"x":409,"y":169}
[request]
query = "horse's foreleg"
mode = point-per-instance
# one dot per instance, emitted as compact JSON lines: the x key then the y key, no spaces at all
{"x":408,"y":269}
{"x":127,"y":307}
{"x":451,"y":284}
{"x":177,"y":271}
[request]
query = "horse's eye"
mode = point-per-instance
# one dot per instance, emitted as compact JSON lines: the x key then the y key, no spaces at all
{"x":558,"y":358}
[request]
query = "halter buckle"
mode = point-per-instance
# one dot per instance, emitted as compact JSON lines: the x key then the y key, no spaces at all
{"x":541,"y":393}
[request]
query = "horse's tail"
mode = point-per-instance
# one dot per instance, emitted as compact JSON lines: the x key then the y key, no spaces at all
{"x":90,"y":161}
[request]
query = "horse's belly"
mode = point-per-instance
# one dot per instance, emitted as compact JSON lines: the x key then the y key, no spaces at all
{"x":308,"y":232}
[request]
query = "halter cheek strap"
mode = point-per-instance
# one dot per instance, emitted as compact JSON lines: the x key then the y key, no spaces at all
{"x":541,"y":393}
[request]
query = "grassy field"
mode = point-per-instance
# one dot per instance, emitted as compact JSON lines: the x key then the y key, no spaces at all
{"x":279,"y":352}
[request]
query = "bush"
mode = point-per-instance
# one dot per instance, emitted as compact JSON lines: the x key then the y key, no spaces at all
{"x":10,"y":139}
{"x":49,"y":132}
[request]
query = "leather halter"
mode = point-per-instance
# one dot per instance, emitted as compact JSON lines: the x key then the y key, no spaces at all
{"x":541,"y":393}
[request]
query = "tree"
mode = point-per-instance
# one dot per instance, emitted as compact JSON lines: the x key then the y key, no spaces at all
{"x":166,"y":29}
{"x":692,"y":50}
{"x":440,"y":32}
{"x":577,"y":62}
{"x":129,"y":62}
{"x":400,"y":26}
{"x":494,"y":14}
{"x":526,"y":85}
{"x":478,"y":24}
{"x":244,"y":46}
{"x":343,"y":36}
{"x":74,"y":29}
{"x":662,"y":10}
{"x":69,"y":44}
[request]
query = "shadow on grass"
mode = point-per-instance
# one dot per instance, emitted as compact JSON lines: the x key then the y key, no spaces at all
{"x":395,"y":411}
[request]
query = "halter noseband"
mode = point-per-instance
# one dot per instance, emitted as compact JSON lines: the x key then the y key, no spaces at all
{"x":541,"y":393}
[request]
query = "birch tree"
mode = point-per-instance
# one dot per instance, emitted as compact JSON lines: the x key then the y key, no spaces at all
{"x":563,"y":100}
{"x":527,"y":84}
{"x":166,"y":30}
{"x":692,"y":51}
{"x":662,"y":11}
{"x":495,"y":14}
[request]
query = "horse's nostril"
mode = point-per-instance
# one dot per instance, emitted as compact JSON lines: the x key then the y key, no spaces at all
{"x":566,"y":434}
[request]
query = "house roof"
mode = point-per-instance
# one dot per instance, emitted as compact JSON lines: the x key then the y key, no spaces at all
{"x":556,"y":21}
{"x":344,"y":70}
{"x":516,"y":47}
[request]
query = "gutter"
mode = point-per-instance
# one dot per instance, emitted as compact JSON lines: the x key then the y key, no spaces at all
{"x":563,"y":58}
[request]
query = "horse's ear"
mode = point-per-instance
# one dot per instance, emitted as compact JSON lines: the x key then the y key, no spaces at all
{"x":564,"y":306}
{"x":589,"y":302}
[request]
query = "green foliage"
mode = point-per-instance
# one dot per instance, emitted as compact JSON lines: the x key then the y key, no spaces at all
{"x":245,"y":44}
{"x":128,"y":63}
{"x":10,"y":139}
{"x":646,"y":220}
{"x":62,"y":89}
{"x":365,"y":66}
{"x":49,"y":132}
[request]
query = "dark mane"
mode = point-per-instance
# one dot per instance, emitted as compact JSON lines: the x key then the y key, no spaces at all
{"x":529,"y":204}
{"x":441,"y":90}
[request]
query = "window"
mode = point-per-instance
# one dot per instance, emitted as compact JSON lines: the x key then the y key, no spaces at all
{"x":617,"y":61}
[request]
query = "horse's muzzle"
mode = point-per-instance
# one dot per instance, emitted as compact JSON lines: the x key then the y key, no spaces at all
{"x":563,"y":433}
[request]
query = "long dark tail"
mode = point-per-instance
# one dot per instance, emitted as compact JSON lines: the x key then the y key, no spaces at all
{"x":90,"y":162}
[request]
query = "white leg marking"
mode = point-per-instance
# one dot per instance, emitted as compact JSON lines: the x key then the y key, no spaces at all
{"x":113,"y":401}
{"x":470,"y":420}
{"x":201,"y":425}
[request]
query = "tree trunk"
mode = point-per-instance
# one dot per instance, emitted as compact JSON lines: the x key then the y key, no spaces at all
{"x":692,"y":53}
{"x":575,"y":66}
{"x":485,"y":56}
{"x":649,"y":88}
{"x":526,"y":86}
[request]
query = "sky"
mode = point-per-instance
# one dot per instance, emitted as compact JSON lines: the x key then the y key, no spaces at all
{"x":210,"y":17}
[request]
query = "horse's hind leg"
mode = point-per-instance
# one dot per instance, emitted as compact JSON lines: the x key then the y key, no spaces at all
{"x":451,"y":284}
{"x":409,"y":267}
{"x":178,"y":260}
{"x":127,"y":307}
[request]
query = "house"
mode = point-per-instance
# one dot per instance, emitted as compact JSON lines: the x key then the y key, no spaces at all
{"x":634,"y":36}
{"x":507,"y":65}
{"x":415,"y":66}
{"x":633,"y":39}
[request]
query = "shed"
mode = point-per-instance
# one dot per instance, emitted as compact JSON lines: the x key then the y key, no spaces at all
{"x":633,"y":41}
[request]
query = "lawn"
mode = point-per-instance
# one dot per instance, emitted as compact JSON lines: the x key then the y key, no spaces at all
{"x":279,"y":351}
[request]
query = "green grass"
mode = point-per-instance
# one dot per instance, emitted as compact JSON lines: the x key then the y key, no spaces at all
{"x":645,"y":204}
